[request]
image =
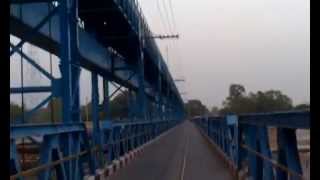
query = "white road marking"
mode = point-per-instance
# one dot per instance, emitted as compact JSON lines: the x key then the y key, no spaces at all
{"x":184,"y":158}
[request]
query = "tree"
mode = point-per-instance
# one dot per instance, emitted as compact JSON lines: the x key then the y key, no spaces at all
{"x":194,"y":107}
{"x":118,"y":108}
{"x":54,"y":110}
{"x":214,"y":111}
{"x":15,"y":112}
{"x":272,"y":100}
{"x":119,"y":105}
{"x":238,"y":102}
{"x":302,"y":107}
{"x":236,"y":91}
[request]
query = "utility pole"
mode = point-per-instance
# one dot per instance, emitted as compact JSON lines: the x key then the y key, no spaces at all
{"x":174,"y":36}
{"x":179,"y":80}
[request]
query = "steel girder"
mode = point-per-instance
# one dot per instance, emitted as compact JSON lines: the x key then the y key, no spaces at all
{"x":70,"y":148}
{"x":245,"y":138}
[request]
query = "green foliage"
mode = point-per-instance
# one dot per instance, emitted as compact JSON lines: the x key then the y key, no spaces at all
{"x":302,"y":107}
{"x":51,"y":113}
{"x":118,"y":108}
{"x":236,"y":91}
{"x":119,"y":105}
{"x":214,"y":111}
{"x":15,"y":112}
{"x":239,"y":102}
{"x":194,"y":107}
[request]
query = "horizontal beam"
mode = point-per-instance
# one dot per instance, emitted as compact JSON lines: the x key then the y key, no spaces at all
{"x":138,"y":123}
{"x":108,"y":125}
{"x":29,"y":1}
{"x":294,"y":119}
{"x":43,"y":89}
{"x":94,"y":56}
{"x":19,"y":131}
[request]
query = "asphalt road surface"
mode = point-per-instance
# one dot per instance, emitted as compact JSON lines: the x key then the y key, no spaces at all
{"x":182,"y":154}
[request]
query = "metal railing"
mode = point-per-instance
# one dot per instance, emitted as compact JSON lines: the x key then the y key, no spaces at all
{"x":244,"y":141}
{"x":116,"y":140}
{"x":67,"y":148}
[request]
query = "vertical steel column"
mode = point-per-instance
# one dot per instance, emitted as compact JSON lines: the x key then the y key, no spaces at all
{"x":233,"y":127}
{"x":141,"y":91}
{"x":70,"y":80}
{"x":65,"y":56}
{"x":288,"y":154}
{"x":74,"y":139}
{"x":50,"y":151}
{"x":264,"y":149}
{"x":95,"y":117}
{"x":75,"y":69}
{"x":251,"y":141}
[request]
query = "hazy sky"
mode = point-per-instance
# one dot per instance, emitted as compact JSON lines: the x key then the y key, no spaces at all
{"x":261,"y":44}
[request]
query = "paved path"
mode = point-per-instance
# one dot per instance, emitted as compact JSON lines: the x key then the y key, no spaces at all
{"x":182,"y":154}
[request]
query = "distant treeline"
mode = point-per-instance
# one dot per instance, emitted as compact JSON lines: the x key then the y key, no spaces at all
{"x":52,"y":112}
{"x":239,"y":102}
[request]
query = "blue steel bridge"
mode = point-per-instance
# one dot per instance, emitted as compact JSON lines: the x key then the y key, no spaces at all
{"x":111,"y":40}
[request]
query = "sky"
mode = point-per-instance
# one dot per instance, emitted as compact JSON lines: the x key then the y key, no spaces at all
{"x":261,"y":44}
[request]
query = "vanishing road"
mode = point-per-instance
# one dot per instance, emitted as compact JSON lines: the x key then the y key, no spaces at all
{"x":182,"y":154}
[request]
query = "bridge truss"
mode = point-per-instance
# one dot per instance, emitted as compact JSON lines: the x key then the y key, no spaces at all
{"x":111,"y":39}
{"x":244,"y":142}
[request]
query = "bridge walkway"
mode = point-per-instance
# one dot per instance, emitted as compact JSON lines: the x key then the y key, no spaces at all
{"x":182,"y":154}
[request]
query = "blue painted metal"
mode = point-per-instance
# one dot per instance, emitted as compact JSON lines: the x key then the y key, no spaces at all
{"x":51,"y":151}
{"x":93,"y":55}
{"x":25,"y":130}
{"x":31,"y":112}
{"x":250,"y":133}
{"x":34,"y":64}
{"x":54,"y":27}
{"x":288,"y":152}
{"x":234,"y":134}
{"x":264,"y":149}
{"x":294,"y":119}
{"x":31,"y":33}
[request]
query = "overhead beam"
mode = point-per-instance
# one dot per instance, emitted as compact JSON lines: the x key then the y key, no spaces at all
{"x":18,"y":131}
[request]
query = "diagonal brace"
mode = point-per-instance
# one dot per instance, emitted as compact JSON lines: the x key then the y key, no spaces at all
{"x":32,"y":32}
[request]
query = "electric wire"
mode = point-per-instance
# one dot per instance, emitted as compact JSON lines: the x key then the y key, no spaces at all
{"x":164,"y":4}
{"x":173,"y":16}
{"x":161,"y":17}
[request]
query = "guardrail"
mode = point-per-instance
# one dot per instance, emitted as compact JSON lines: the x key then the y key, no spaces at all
{"x":244,"y":142}
{"x":114,"y":140}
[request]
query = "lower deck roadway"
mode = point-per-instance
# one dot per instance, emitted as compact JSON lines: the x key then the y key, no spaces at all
{"x":182,"y":154}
